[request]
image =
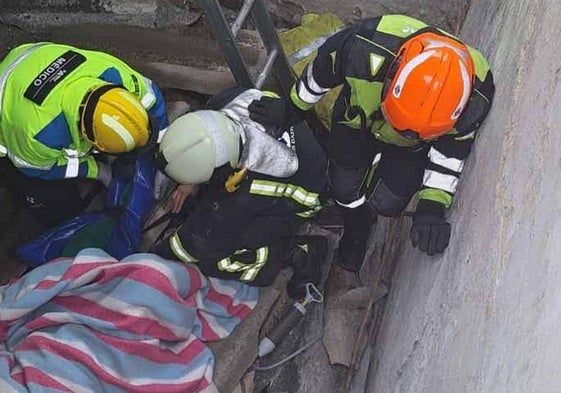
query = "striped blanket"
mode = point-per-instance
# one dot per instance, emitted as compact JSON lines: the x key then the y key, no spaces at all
{"x":95,"y":324}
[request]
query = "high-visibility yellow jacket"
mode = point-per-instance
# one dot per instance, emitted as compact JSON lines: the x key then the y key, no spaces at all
{"x":42,"y":86}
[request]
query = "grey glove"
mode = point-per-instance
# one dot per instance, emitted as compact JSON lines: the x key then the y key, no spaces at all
{"x":162,"y":185}
{"x":104,"y":173}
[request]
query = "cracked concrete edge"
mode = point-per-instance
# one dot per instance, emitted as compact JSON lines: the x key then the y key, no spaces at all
{"x":344,"y":316}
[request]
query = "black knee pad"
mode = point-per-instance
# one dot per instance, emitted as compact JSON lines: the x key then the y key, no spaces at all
{"x":384,"y":202}
{"x":347,"y":185}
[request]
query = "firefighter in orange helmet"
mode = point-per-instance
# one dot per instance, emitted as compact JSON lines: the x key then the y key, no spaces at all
{"x":410,"y":101}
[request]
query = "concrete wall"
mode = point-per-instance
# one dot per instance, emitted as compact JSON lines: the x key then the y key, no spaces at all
{"x":447,"y":14}
{"x":175,"y":31}
{"x":485,"y":317}
{"x":33,"y":14}
{"x":40,"y":14}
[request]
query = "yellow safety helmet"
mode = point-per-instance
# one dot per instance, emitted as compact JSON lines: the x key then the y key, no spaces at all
{"x":113,"y":120}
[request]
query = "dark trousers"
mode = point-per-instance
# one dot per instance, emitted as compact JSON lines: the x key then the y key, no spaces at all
{"x":395,"y":179}
{"x":255,"y":254}
{"x":266,"y":259}
{"x":50,"y":201}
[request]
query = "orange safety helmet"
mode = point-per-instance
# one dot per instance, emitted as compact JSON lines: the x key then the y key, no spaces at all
{"x":428,"y":86}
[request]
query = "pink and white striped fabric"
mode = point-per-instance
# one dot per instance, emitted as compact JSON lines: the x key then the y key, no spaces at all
{"x":95,"y":324}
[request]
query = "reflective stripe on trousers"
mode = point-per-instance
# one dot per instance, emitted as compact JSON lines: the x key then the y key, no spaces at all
{"x":179,"y":251}
{"x":248,"y":271}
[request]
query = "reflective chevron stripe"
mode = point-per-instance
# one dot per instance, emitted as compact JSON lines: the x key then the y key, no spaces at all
{"x":249,"y":271}
{"x":179,"y":251}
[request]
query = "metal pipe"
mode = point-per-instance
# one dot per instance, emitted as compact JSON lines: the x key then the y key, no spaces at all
{"x":267,"y":69}
{"x":227,"y":42}
{"x":242,"y":16}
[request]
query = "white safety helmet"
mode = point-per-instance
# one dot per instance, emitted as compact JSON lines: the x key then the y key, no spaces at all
{"x":197,"y":143}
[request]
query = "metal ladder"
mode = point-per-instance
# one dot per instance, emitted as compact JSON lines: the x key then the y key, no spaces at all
{"x":226,"y":37}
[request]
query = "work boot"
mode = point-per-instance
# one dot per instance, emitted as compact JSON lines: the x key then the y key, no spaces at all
{"x":358,"y":225}
{"x":307,"y":256}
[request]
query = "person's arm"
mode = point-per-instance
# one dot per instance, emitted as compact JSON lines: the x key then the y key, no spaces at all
{"x":46,"y":154}
{"x":65,"y":168}
{"x":449,"y":152}
{"x":318,"y":77}
{"x":325,"y":72}
{"x":446,"y":157}
{"x":155,"y":106}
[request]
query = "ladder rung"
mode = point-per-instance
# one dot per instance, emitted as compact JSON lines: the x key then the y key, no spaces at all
{"x":267,"y":69}
{"x":242,"y":16}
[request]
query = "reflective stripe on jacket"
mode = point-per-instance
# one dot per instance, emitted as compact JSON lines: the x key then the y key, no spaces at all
{"x":348,"y":72}
{"x":235,"y":232}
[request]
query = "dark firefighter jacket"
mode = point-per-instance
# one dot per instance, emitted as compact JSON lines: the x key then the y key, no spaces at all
{"x":244,"y":233}
{"x":356,"y":60}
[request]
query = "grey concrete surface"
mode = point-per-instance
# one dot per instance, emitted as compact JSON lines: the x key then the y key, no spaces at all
{"x":446,"y":14}
{"x":165,"y":14}
{"x":40,"y":14}
{"x":485,"y":316}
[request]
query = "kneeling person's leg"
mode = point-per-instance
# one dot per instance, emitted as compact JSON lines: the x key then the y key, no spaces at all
{"x":50,"y":201}
{"x":257,"y":267}
{"x":398,"y":177}
{"x":254,"y":255}
{"x":348,"y":187}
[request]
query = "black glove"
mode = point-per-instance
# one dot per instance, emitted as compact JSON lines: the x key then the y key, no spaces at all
{"x":271,"y":111}
{"x":123,"y":166}
{"x":430,"y":231}
{"x":151,"y":146}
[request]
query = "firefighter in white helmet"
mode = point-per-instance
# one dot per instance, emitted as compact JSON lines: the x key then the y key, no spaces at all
{"x":254,"y":191}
